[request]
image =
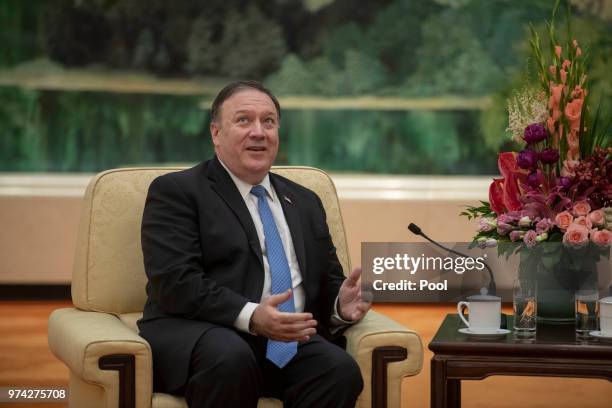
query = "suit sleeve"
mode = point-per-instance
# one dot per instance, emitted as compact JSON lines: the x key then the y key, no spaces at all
{"x":173,"y":259}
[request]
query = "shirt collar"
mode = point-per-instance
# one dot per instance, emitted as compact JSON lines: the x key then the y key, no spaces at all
{"x":245,"y":188}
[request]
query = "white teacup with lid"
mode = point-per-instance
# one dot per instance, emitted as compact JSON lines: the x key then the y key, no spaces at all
{"x":484,"y":313}
{"x":605,"y":316}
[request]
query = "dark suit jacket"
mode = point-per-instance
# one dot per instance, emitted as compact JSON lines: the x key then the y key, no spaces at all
{"x":203,"y":260}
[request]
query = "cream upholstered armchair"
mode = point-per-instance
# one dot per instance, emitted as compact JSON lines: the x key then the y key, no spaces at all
{"x":111,"y":365}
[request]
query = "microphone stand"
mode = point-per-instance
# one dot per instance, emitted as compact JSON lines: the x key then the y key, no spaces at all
{"x":417,"y":231}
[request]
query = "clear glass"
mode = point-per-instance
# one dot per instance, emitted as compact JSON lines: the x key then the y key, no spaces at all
{"x":587,"y":306}
{"x":525,"y":305}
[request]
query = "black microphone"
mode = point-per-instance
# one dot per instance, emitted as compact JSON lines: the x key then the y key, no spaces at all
{"x":417,"y":231}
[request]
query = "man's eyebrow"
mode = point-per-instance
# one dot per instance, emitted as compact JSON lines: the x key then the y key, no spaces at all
{"x":242,"y":111}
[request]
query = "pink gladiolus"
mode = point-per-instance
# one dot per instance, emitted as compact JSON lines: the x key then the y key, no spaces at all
{"x":573,"y":111}
{"x":563,"y":74}
{"x":576,"y":236}
{"x":574,"y":43}
{"x":602,"y":238}
{"x":578,"y":92}
{"x":555,"y":96}
{"x":573,"y":152}
{"x":558,"y":51}
{"x":550,"y":124}
{"x":566,"y":63}
{"x":569,"y":168}
{"x":578,"y":51}
{"x":552,"y":69}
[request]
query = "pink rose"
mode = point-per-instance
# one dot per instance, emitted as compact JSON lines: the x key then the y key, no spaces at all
{"x":576,"y":236}
{"x":602,"y":238}
{"x":597,"y":217}
{"x":530,"y":238}
{"x":564,"y":220}
{"x":584,"y":221}
{"x":581,"y":208}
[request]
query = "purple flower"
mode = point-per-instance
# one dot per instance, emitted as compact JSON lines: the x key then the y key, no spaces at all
{"x":534,"y":133}
{"x":486,"y":224}
{"x":549,"y":156}
{"x":503,"y":228}
{"x":565,"y":182}
{"x":516,"y":235}
{"x":527,"y":159}
{"x":530,"y":238}
{"x":508,"y":217}
{"x":544,"y":226}
{"x":534,"y":179}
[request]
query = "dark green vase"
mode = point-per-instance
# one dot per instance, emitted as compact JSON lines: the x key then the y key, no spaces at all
{"x":559,"y":272}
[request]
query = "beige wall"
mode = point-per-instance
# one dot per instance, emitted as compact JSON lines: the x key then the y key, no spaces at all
{"x":38,"y":234}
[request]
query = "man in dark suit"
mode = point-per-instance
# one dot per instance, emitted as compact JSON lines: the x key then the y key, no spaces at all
{"x":245,"y":288}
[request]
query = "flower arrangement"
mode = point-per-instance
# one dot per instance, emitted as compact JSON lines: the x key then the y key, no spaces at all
{"x":558,"y":187}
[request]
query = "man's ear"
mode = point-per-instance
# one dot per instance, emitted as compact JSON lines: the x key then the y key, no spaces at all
{"x":214,"y":132}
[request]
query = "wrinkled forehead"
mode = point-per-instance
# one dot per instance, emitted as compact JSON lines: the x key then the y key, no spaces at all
{"x":247,"y":100}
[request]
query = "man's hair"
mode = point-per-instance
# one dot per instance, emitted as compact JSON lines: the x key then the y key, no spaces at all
{"x":234,"y":88}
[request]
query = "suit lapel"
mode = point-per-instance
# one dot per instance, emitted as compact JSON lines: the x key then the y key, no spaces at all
{"x":224,"y":186}
{"x":292,"y":216}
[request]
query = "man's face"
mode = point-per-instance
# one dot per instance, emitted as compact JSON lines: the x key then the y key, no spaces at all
{"x":245,"y":134}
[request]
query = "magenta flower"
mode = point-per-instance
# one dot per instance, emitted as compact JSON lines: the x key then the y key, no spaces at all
{"x":549,"y":156}
{"x":544,"y":226}
{"x":516,"y":235}
{"x":530,"y":238}
{"x":565,"y":182}
{"x":534,"y":179}
{"x":534,"y":133}
{"x":527,"y":159}
{"x":509,"y":217}
{"x":503,"y":228}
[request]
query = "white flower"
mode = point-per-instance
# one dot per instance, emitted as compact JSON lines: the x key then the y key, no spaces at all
{"x":526,"y":107}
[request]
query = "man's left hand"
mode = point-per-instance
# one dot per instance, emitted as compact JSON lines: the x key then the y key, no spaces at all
{"x":351,"y":305}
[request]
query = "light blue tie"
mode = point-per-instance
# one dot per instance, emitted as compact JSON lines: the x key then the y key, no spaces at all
{"x":279,"y":352}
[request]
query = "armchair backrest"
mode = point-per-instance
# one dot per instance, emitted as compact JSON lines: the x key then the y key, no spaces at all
{"x":108,"y":274}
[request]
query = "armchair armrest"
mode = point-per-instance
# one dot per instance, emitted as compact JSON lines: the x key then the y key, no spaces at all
{"x":94,"y":345}
{"x":386,"y":352}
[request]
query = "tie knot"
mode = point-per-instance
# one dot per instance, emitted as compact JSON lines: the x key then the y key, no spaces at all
{"x":259,"y":191}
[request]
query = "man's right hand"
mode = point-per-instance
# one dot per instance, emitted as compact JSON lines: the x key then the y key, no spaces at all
{"x":269,"y":322}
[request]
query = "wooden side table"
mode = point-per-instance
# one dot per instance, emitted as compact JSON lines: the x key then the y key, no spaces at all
{"x":553,"y":353}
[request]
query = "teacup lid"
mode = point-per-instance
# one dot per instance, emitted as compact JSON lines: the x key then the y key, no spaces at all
{"x":606,"y":300}
{"x":483,"y":298}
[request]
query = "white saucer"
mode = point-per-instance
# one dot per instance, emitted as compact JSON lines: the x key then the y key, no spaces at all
{"x":496,"y":333}
{"x":599,"y":335}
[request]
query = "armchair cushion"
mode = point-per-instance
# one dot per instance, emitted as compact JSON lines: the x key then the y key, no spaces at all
{"x":80,"y":338}
{"x":377,"y":330}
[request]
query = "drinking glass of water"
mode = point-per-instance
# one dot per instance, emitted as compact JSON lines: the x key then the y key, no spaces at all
{"x":586,"y":312}
{"x":525,"y":305}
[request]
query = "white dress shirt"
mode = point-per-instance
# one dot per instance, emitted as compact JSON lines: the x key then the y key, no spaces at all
{"x":299,"y":297}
